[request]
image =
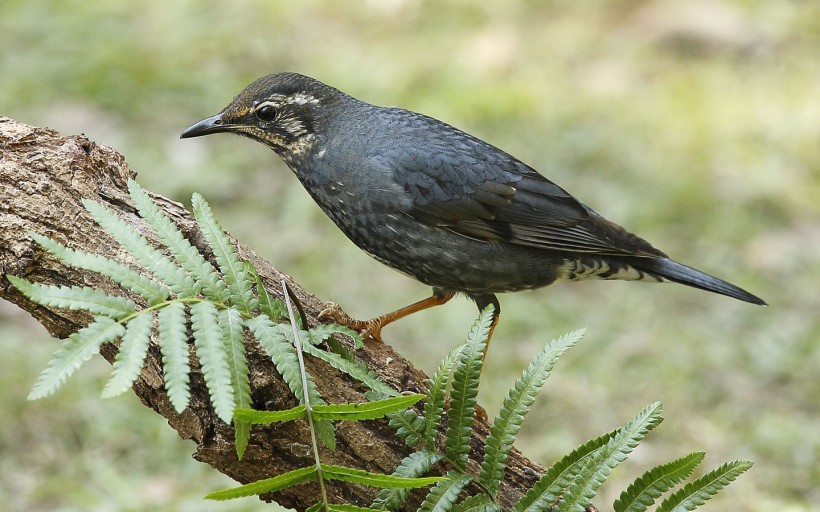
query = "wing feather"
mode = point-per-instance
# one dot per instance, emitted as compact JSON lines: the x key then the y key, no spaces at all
{"x":461,"y":183}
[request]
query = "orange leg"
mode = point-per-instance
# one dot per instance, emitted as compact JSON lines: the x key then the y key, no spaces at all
{"x":373,"y":327}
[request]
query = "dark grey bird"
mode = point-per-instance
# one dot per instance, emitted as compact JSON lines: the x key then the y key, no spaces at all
{"x":436,"y":203}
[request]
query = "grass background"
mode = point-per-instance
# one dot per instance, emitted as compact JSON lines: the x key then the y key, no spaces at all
{"x":695,"y":124}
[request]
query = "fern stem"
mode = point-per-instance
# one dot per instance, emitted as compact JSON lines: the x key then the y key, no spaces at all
{"x":308,"y":411}
{"x":154,"y":307}
{"x":187,"y":300}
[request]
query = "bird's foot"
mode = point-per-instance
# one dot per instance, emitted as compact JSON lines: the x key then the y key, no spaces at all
{"x":367,"y":328}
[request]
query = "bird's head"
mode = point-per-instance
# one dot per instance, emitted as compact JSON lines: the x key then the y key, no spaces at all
{"x":282,"y":111}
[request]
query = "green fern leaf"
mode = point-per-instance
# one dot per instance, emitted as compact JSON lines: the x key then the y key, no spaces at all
{"x":362,"y":477}
{"x":268,"y":305}
{"x":354,"y":369}
{"x":412,"y":466}
{"x":366,"y":410}
{"x":333,"y":345}
{"x":465,"y":390}
{"x":277,"y":340}
{"x":325,"y":430}
{"x":521,"y":397}
{"x":173,"y":343}
{"x":210,"y":350}
{"x":274,"y":484}
{"x":436,"y":395}
{"x":159,"y":265}
{"x":230,"y":265}
{"x":255,"y":417}
{"x":321,"y":332}
{"x":442,"y":496}
{"x":75,"y":298}
{"x":408,"y":425}
{"x":76,"y":350}
{"x":643,"y":492}
{"x":147,"y":288}
{"x":131,"y":355}
{"x":557,"y":478}
{"x":598,"y":467}
{"x":230,"y":321}
{"x":477,"y":503}
{"x":186,"y":254}
{"x":695,"y":494}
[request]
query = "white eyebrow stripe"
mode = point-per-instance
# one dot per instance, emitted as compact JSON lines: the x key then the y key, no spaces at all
{"x":269,"y":103}
{"x":278,"y":100}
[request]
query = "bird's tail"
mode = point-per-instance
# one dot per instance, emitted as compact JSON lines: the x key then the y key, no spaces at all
{"x":674,"y":271}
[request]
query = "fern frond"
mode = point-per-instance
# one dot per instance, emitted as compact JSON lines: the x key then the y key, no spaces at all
{"x":465,"y":390}
{"x":436,"y":395}
{"x":271,"y":306}
{"x":642,"y":493}
{"x":150,"y":290}
{"x":408,"y":425}
{"x":75,"y":298}
{"x":598,"y":467}
{"x":412,"y":466}
{"x":159,"y":265}
{"x":232,"y":268}
{"x":255,"y":417}
{"x":695,"y":494}
{"x":359,"y":476}
{"x":76,"y":350}
{"x":186,"y":254}
{"x":173,"y":343}
{"x":477,"y":503}
{"x":274,"y":484}
{"x":558,"y":477}
{"x":277,"y":341}
{"x":348,"y":412}
{"x":521,"y":397}
{"x":354,"y":369}
{"x":365,"y":410}
{"x":210,"y":350}
{"x":335,"y":346}
{"x":131,"y":355}
{"x":326,"y":432}
{"x":321,"y":332}
{"x":442,"y":496}
{"x":230,"y":321}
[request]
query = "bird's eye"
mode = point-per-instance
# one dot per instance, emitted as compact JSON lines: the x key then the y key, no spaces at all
{"x":265,"y":113}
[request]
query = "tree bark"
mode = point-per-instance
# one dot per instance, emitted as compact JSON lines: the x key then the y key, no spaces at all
{"x":44,"y":176}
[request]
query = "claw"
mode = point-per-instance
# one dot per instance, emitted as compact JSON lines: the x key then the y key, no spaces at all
{"x":334,"y":312}
{"x":368,"y":329}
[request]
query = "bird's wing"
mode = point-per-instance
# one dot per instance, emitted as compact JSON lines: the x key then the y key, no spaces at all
{"x":478,"y":191}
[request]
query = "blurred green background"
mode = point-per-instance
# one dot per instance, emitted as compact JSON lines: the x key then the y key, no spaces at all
{"x":695,"y":124}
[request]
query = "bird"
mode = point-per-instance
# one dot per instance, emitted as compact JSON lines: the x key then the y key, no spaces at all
{"x":437,"y":204}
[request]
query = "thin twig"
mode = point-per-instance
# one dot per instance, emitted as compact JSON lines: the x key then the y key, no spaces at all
{"x":308,"y":411}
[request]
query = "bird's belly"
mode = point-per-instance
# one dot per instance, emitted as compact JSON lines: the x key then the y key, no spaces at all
{"x":441,"y":258}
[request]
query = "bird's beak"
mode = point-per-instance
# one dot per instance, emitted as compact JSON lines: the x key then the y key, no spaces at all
{"x":213,"y":124}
